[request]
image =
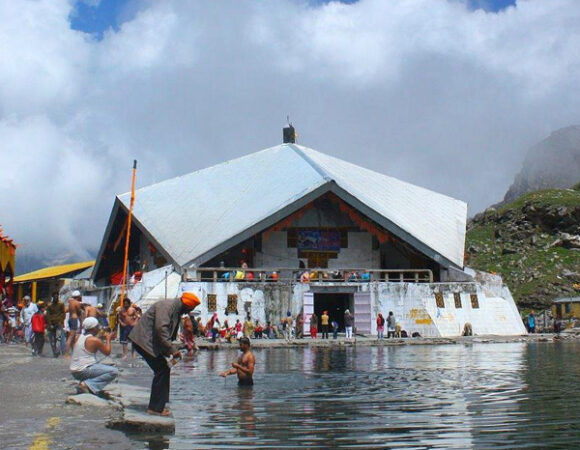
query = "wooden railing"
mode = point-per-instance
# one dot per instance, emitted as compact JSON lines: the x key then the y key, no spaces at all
{"x":350,"y":275}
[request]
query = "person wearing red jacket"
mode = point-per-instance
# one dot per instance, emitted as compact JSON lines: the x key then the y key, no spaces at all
{"x":38,"y":323}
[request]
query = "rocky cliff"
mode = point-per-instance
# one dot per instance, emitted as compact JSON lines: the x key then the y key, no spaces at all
{"x":533,"y":242}
{"x":553,"y":163}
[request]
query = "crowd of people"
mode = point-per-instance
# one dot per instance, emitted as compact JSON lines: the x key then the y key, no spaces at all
{"x":32,"y":323}
{"x":60,"y":323}
{"x":289,"y":327}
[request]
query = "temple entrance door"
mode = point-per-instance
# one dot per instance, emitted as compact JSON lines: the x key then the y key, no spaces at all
{"x":362,"y":312}
{"x":308,"y":302}
{"x":335,"y":304}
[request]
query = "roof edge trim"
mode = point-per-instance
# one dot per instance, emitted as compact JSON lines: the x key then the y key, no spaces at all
{"x":106,"y":237}
{"x":117,"y":207}
{"x":149,"y":236}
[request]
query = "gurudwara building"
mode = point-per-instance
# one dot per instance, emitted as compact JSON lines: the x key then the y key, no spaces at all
{"x":292,"y":229}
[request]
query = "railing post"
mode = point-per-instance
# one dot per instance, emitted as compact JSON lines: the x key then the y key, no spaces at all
{"x":416,"y":277}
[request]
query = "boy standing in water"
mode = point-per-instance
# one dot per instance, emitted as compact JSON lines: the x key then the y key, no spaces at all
{"x":244,"y":368}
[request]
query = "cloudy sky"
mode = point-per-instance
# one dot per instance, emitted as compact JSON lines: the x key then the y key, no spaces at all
{"x":447,"y":94}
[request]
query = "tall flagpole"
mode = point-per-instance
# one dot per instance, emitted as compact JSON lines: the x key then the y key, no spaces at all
{"x":125,"y":279}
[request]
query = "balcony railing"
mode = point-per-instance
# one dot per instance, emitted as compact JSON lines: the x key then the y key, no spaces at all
{"x":272,"y":275}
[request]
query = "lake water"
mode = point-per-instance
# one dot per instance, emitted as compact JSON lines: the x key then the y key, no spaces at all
{"x":516,"y":395}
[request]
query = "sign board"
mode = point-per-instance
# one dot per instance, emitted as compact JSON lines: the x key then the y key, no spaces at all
{"x":318,"y":240}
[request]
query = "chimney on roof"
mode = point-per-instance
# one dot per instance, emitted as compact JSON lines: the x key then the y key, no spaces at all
{"x":289,"y":134}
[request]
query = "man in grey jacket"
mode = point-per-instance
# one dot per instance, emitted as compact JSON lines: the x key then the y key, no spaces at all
{"x":153,"y":336}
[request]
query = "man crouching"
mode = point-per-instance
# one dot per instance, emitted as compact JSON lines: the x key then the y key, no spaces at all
{"x":84,"y":366}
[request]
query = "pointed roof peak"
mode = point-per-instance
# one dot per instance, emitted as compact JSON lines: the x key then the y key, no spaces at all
{"x":300,"y":152}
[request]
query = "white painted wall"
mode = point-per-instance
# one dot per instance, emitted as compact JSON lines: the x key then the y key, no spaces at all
{"x":415,"y":308}
{"x":413,"y":304}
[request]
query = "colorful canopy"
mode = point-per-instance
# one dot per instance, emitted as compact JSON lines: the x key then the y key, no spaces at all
{"x":53,"y":272}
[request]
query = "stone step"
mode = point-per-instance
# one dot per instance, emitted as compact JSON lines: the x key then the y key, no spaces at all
{"x":137,"y":420}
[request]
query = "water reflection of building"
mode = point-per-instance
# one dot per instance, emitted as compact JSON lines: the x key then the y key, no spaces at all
{"x":316,"y":233}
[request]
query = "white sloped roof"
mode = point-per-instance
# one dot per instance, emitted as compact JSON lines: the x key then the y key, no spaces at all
{"x":195,"y":215}
{"x":438,"y":221}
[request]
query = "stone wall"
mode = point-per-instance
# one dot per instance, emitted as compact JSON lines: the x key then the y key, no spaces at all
{"x":359,"y":253}
{"x":414,"y":305}
{"x":275,"y":252}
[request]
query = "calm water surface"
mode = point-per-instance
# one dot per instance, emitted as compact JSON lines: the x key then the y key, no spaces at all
{"x":515,"y":395}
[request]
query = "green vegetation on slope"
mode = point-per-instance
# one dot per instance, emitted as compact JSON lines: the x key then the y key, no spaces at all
{"x":530,"y":242}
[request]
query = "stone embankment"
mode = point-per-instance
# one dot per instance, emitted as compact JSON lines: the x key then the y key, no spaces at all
{"x":363,"y":341}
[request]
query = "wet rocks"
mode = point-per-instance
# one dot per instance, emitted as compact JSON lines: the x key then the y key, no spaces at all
{"x":133,"y":416}
{"x":129,"y":407}
{"x":91,"y":401}
{"x":128,"y":396}
{"x":135,"y":420}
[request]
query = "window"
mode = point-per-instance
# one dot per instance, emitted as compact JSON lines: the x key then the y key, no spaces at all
{"x":344,"y":239}
{"x":474,"y":301}
{"x":567,"y":308}
{"x":457,"y":298}
{"x":439,"y":300}
{"x":232,"y":307}
{"x":212,"y":302}
{"x":292,"y":238}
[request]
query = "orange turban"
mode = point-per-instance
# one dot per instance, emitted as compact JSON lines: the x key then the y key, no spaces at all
{"x":190,"y":300}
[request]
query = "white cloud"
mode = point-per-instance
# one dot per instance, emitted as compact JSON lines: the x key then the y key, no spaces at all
{"x":424,"y":90}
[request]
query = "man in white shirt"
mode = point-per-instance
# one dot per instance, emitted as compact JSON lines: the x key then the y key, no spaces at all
{"x":92,"y":376}
{"x":28,"y":310}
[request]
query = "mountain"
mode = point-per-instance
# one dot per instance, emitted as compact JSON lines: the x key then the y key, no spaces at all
{"x":27,"y":261}
{"x":533,"y":242}
{"x":553,"y":163}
